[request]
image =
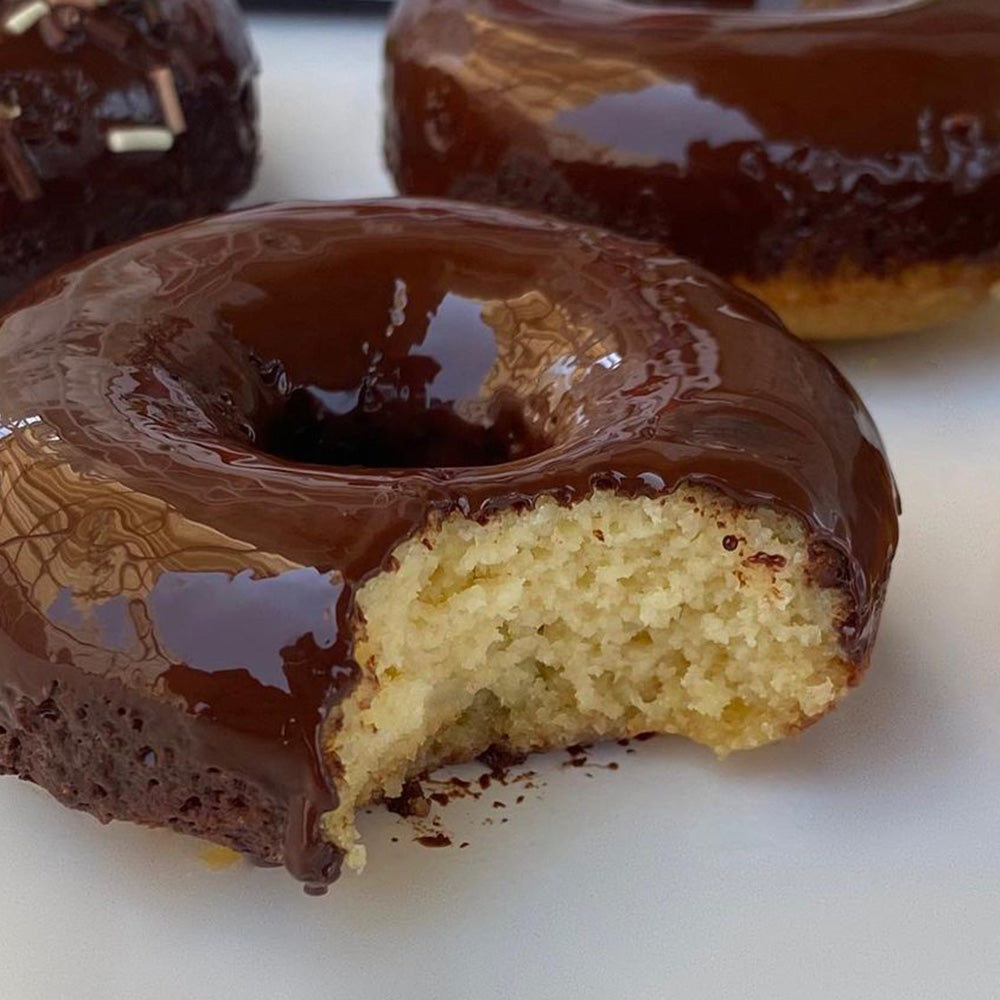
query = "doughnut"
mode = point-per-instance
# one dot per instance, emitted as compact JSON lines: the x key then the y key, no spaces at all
{"x":117,"y":117}
{"x":838,"y":159}
{"x":299,"y":502}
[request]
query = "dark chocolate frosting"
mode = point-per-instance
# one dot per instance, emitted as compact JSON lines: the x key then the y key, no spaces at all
{"x":212,"y":437}
{"x":754,"y":136}
{"x":117,"y":118}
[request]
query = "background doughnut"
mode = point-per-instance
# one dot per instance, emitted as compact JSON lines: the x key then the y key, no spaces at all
{"x":840,"y":160}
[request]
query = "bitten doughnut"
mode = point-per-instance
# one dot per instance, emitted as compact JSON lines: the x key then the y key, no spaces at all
{"x":839,"y":159}
{"x":117,"y":117}
{"x":301,"y":501}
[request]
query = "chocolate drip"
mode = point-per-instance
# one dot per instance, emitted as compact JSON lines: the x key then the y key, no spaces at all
{"x":754,"y":137}
{"x":212,"y":437}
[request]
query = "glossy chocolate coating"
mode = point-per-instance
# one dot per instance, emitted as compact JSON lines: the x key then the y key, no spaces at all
{"x":73,"y":79}
{"x":212,"y":437}
{"x":754,"y":137}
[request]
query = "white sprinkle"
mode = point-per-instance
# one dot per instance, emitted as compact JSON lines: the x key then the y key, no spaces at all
{"x":139,"y":139}
{"x":170,"y":102}
{"x":26,"y":17}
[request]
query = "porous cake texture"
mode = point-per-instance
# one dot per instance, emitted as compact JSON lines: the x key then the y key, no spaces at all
{"x":608,"y":618}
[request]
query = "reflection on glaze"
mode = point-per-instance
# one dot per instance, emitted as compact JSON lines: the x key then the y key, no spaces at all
{"x":214,"y":621}
{"x":458,"y":329}
{"x":213,"y":437}
{"x":751,"y":136}
{"x":654,"y":124}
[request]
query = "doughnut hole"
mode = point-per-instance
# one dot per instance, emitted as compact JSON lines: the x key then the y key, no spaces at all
{"x":564,"y":624}
{"x":425,"y":373}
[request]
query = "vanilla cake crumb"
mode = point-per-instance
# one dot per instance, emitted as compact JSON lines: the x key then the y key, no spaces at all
{"x":559,"y":625}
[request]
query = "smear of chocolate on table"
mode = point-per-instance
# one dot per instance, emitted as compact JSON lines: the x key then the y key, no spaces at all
{"x":430,"y":832}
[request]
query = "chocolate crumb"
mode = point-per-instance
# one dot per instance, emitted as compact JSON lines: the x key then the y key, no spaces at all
{"x":769,"y":559}
{"x":500,"y":761}
{"x":434,"y":840}
{"x":410,"y":802}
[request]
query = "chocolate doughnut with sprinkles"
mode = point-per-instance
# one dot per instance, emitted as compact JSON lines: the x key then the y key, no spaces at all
{"x":117,"y":117}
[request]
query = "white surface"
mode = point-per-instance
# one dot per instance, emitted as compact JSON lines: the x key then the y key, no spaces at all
{"x":862,"y":861}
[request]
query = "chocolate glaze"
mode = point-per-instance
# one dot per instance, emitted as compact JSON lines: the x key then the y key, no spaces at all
{"x":178,"y":563}
{"x":750,"y":136}
{"x":71,"y":78}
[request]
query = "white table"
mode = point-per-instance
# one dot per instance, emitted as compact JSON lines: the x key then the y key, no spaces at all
{"x":862,"y":861}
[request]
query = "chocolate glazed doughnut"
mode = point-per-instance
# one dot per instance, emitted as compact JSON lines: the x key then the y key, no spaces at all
{"x":117,"y":117}
{"x":298,"y":502}
{"x":839,"y":159}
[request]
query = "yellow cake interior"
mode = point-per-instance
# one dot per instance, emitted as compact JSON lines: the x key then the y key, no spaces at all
{"x":851,"y":305}
{"x":565,"y":624}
